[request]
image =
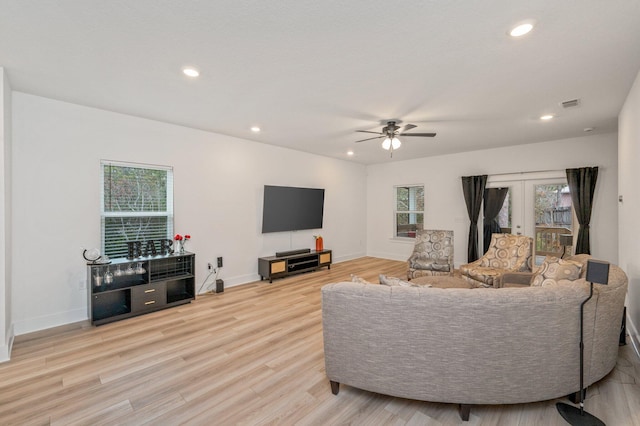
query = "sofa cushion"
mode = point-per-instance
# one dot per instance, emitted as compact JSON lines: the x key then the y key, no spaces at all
{"x":554,"y":269}
{"x":581,"y":258}
{"x":392,"y":281}
{"x":357,"y":279}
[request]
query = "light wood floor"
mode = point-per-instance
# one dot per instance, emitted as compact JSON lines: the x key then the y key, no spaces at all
{"x":250,"y":355}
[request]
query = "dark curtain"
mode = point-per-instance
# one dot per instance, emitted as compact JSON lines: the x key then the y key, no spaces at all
{"x":493,"y":201}
{"x":473,"y":189}
{"x":582,"y":183}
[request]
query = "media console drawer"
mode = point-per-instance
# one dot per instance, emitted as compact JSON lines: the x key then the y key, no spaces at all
{"x":302,"y":261}
{"x":325,"y":258}
{"x":278,"y":267}
{"x":148,"y":296}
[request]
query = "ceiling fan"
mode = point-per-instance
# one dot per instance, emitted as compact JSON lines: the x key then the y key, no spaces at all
{"x":391,"y":132}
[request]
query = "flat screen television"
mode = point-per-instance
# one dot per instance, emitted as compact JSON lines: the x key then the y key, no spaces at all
{"x":287,"y":208}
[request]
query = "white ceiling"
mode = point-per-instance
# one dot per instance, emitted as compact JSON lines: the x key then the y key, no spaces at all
{"x":310,"y":73}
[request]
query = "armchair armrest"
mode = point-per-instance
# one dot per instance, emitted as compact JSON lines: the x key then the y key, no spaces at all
{"x":515,"y":279}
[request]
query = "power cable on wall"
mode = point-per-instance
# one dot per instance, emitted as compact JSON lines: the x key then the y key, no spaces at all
{"x":215,"y":271}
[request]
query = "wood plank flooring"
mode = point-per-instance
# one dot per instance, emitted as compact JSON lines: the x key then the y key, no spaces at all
{"x":252,"y":355}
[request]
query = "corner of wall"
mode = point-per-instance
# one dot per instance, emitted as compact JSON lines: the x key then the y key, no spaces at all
{"x":6,"y":325}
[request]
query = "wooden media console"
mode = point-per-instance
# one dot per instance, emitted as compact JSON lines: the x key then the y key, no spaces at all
{"x":284,"y":264}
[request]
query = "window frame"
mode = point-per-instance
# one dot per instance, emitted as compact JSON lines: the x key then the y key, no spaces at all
{"x":104,"y":215}
{"x":396,"y":212}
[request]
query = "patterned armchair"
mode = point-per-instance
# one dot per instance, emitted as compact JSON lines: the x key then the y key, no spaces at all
{"x":506,"y":253}
{"x":432,"y":254}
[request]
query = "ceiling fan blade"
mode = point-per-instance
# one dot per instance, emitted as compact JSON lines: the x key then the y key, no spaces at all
{"x":368,"y":139}
{"x":367,"y":131}
{"x":424,"y":135}
{"x":408,"y":127}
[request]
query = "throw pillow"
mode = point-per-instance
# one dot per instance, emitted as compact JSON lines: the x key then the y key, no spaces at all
{"x":581,"y":258}
{"x":555,"y":269}
{"x":392,"y":281}
{"x":357,"y":279}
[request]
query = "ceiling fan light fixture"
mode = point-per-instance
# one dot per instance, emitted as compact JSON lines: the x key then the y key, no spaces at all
{"x":388,"y":143}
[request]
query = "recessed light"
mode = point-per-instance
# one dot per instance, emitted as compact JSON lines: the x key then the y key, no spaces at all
{"x":191,"y":72}
{"x":546,"y":117}
{"x":255,"y":129}
{"x":588,"y":129}
{"x":350,"y":153}
{"x":520,"y":30}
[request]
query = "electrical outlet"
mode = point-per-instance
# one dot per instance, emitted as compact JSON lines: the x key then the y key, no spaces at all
{"x":209,"y":266}
{"x":220,"y":262}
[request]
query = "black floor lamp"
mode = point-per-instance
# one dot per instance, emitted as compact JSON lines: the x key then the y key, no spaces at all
{"x":597,"y":272}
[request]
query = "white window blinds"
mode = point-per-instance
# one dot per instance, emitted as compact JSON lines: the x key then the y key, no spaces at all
{"x":137,"y":205}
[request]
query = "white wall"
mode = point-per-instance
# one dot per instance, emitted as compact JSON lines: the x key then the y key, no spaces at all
{"x":628,"y":178}
{"x":6,"y":325}
{"x":444,"y":201}
{"x":218,"y":183}
{"x":57,"y":148}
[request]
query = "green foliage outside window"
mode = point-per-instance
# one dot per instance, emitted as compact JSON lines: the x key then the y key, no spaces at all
{"x":409,"y":214}
{"x":137,"y":205}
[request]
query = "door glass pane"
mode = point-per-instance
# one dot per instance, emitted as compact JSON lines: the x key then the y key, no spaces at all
{"x":504,"y":217}
{"x":553,"y":216}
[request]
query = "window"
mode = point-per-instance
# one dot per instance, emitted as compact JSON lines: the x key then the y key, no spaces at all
{"x":409,"y":211}
{"x":137,"y":205}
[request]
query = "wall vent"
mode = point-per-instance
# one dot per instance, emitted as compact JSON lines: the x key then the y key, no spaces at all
{"x":570,"y":103}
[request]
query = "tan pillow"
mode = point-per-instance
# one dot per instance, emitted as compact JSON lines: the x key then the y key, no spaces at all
{"x":392,"y":281}
{"x":357,"y":279}
{"x":554,"y":269}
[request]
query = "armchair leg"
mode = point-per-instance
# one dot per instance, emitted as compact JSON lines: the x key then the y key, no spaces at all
{"x":335,"y":387}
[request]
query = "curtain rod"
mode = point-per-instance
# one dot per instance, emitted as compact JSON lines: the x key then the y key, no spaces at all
{"x":533,"y":171}
{"x":525,"y":173}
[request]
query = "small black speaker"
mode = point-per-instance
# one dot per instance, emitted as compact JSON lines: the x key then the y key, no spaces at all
{"x":597,"y":272}
{"x":219,"y":286}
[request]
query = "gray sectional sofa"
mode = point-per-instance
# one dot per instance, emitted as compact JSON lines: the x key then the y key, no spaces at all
{"x":470,"y":346}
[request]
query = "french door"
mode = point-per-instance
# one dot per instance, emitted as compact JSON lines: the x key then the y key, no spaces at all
{"x":537,"y":205}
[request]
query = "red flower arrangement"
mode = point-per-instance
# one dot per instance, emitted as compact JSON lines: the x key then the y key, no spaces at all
{"x":181,"y":240}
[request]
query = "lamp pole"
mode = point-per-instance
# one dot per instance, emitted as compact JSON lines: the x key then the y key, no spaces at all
{"x":573,"y":415}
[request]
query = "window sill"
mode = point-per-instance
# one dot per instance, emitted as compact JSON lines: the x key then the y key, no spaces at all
{"x":403,"y":240}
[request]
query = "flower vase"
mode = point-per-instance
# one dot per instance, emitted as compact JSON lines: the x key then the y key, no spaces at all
{"x":181,"y":246}
{"x":319,"y":245}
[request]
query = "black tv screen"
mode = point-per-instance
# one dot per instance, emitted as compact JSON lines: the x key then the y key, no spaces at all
{"x":288,"y":208}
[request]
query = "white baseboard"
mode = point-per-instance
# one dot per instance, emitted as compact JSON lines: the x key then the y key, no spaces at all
{"x":249,"y":278}
{"x":229,"y":282}
{"x":48,"y":321}
{"x":345,"y":258}
{"x":632,"y":330}
{"x":389,"y":256}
